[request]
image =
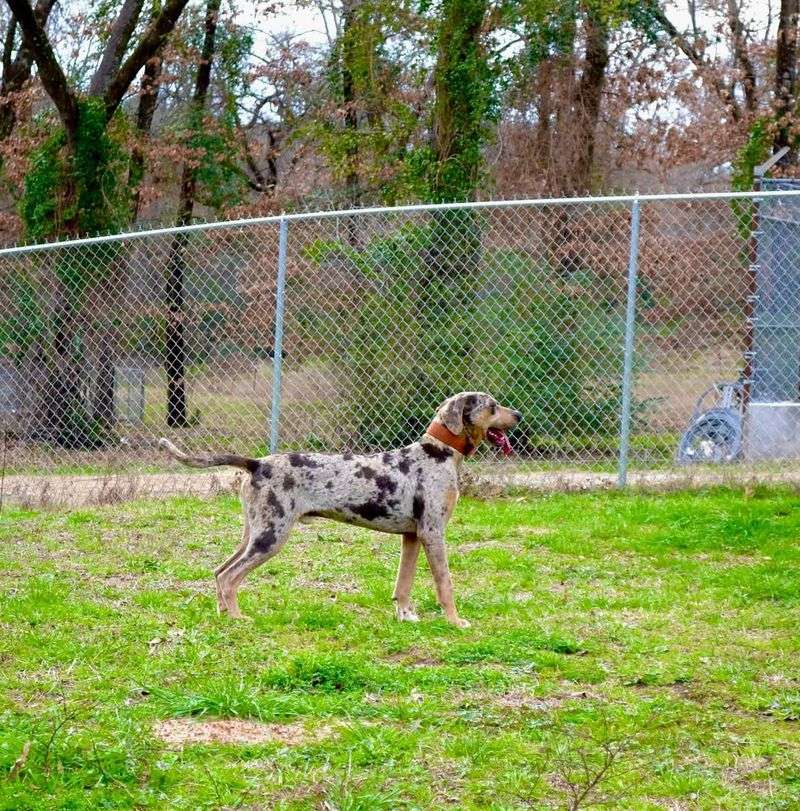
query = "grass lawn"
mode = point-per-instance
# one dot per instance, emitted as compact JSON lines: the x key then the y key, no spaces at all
{"x":637,"y":651}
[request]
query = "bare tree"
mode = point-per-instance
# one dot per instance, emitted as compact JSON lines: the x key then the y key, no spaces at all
{"x":175,"y":341}
{"x":148,"y":100}
{"x":66,"y":416}
{"x":741,"y":57}
{"x":587,"y":97}
{"x":17,"y":68}
{"x":786,"y":73}
{"x":706,"y":71}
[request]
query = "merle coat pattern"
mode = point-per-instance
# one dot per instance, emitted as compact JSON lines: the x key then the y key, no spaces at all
{"x":409,"y":491}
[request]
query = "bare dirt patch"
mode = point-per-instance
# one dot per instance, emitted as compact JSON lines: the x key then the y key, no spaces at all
{"x":413,"y":658}
{"x":743,"y":774}
{"x":76,"y":491}
{"x":523,"y":700}
{"x":332,"y":587}
{"x":180,"y":732}
{"x":135,"y":582}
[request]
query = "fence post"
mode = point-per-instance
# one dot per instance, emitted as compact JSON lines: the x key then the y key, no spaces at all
{"x":630,"y":327}
{"x":277,"y":348}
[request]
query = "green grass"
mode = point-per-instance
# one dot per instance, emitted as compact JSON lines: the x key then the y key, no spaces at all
{"x":638,"y":651}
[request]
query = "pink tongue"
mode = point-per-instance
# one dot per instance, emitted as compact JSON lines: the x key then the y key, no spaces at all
{"x":501,"y":440}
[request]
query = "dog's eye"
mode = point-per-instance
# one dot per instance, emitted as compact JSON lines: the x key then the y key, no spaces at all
{"x":494,"y":409}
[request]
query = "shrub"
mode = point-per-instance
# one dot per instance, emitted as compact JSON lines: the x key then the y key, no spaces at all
{"x":548,"y":345}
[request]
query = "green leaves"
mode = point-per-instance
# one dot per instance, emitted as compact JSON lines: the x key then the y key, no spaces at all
{"x":78,"y":189}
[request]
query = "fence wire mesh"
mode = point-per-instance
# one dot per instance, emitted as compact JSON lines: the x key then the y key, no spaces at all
{"x":108,"y":344}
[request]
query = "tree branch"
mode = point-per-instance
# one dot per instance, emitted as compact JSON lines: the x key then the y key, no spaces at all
{"x":786,"y":73}
{"x":742,"y":57}
{"x":696,"y":58}
{"x":52,"y":77}
{"x":152,"y":39}
{"x":116,"y":46}
{"x":259,"y":182}
{"x":8,"y":48}
{"x":201,"y":84}
{"x":148,"y":99}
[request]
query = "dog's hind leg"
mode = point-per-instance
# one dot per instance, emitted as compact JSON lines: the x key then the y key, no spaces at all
{"x":265,"y":541}
{"x":409,"y":553}
{"x":221,"y":606}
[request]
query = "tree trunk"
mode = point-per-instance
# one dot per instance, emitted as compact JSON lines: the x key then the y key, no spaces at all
{"x":741,"y":57}
{"x":574,"y":147}
{"x":104,"y":382}
{"x":148,"y":99}
{"x":786,"y":75}
{"x":117,"y":43}
{"x":11,"y":83}
{"x":69,"y":414}
{"x":36,"y":43}
{"x":350,"y":103}
{"x":463,"y":92}
{"x":175,"y":341}
{"x":586,"y":102}
{"x":261,"y":181}
{"x":463,"y":89}
{"x":544,"y":113}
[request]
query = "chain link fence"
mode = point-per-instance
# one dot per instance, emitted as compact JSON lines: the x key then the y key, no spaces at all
{"x":603,"y":320}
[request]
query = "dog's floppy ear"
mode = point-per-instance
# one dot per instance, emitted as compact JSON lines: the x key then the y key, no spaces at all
{"x":451,"y":413}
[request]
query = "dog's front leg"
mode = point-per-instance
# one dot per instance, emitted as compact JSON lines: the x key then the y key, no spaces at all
{"x":437,"y":559}
{"x":409,"y":553}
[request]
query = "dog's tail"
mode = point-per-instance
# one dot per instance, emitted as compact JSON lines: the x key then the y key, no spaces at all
{"x":215,"y":460}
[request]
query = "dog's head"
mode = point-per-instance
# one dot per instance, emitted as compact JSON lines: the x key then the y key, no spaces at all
{"x":478,"y":416}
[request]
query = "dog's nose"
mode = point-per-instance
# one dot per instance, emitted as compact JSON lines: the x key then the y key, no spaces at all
{"x":518,"y":415}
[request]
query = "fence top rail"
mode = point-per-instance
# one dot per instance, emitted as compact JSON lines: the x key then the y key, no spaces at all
{"x":424,"y":207}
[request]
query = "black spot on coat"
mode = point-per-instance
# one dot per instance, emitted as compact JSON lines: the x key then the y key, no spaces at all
{"x":418,"y":505}
{"x":301,"y":460}
{"x":260,"y":473}
{"x":365,"y":472}
{"x":273,"y":502}
{"x":264,"y":541}
{"x":370,"y":510}
{"x":436,"y":453}
{"x":404,"y":465}
{"x":289,"y":482}
{"x":386,"y":484}
{"x":469,"y":404}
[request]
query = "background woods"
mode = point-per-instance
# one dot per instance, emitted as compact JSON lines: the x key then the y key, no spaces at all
{"x":113,"y":114}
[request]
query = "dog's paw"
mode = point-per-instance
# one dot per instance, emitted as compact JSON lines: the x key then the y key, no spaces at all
{"x":236,"y":615}
{"x":407,"y":614}
{"x":460,"y":622}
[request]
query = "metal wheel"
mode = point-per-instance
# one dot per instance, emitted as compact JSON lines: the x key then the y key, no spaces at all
{"x":715,"y":436}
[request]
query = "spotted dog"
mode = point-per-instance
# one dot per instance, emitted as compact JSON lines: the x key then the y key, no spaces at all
{"x":409,"y":491}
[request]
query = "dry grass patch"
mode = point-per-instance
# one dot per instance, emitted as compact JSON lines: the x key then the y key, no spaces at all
{"x":523,"y":700}
{"x":180,"y":732}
